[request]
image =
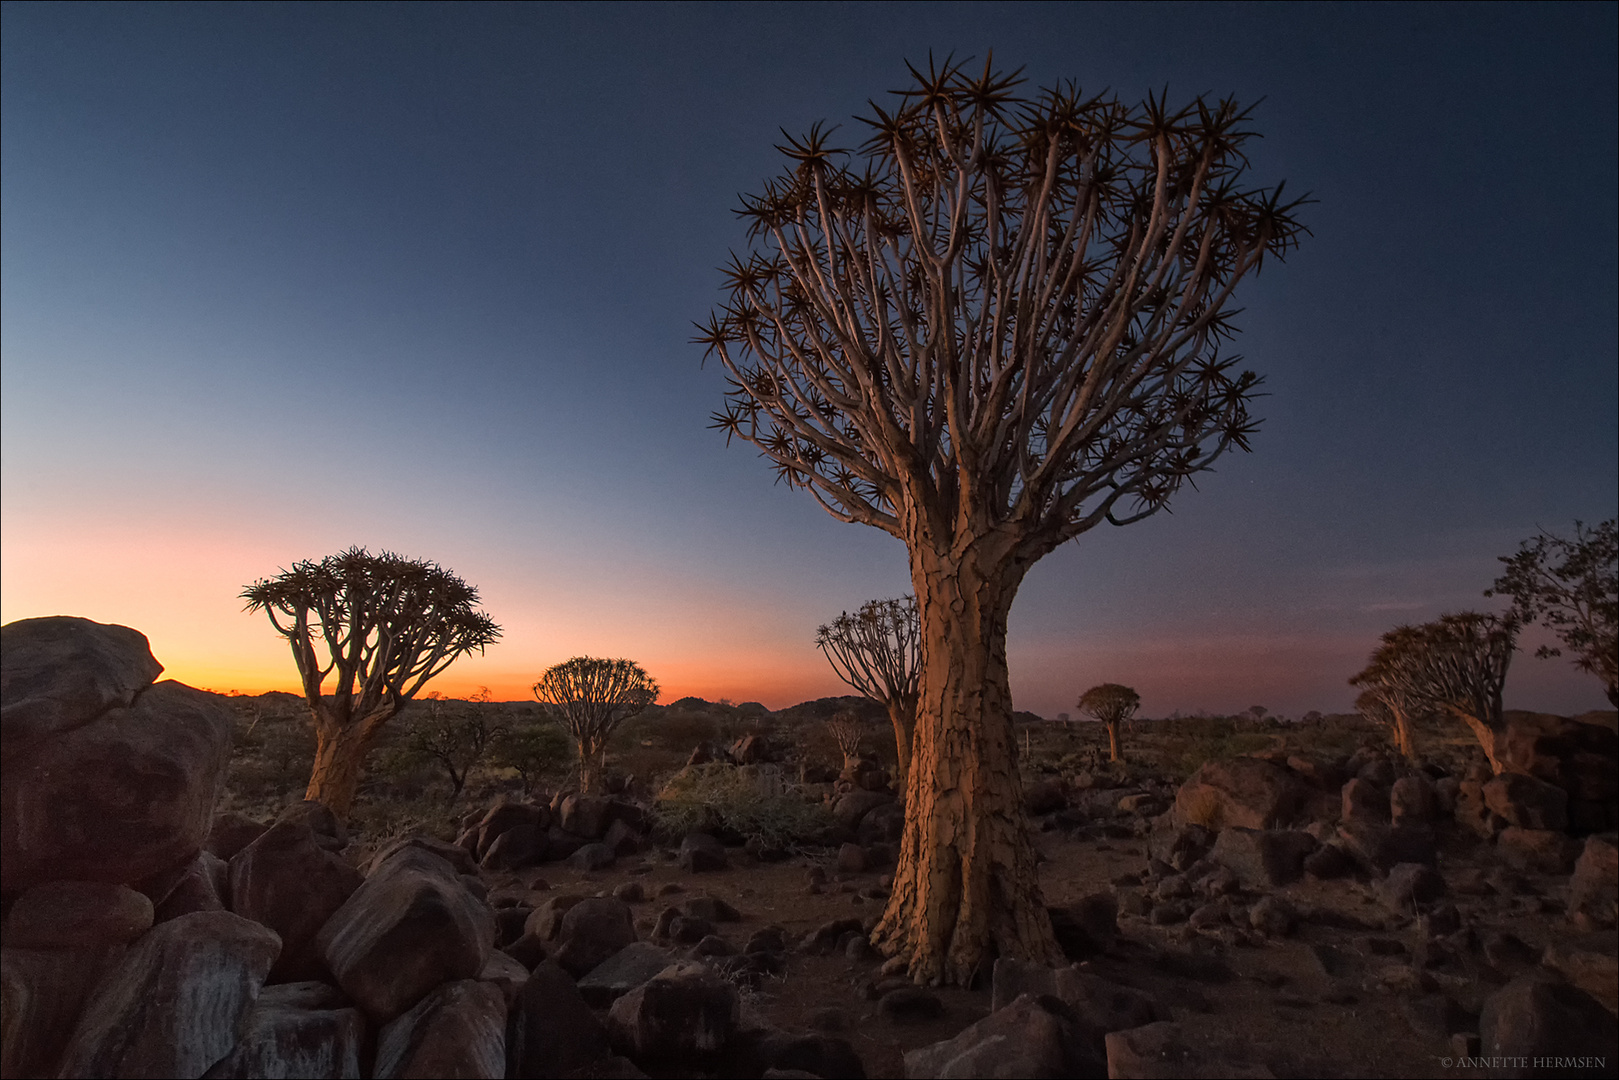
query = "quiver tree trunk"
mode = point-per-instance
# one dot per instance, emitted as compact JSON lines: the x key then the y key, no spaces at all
{"x":589,"y":752}
{"x":340,"y":751}
{"x":966,"y":889}
{"x":902,"y":716}
{"x":1113,"y":740}
{"x":1404,"y":744}
{"x":1487,"y":735}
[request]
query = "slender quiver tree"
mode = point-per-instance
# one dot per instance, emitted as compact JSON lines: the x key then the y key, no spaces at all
{"x":386,"y":625}
{"x":875,"y":650}
{"x":996,"y":327}
{"x":592,"y":697}
{"x":1456,"y":665}
{"x":1387,"y":704}
{"x":1112,"y":704}
{"x":844,"y":727}
{"x":1572,"y":588}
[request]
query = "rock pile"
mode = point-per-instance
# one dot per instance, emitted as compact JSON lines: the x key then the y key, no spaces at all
{"x":144,"y":938}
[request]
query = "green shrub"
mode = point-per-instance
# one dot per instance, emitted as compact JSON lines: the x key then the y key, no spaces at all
{"x":753,"y":802}
{"x":533,"y":749}
{"x":1219,"y":748}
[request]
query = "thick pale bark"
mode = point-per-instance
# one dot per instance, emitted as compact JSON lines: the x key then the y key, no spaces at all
{"x":903,"y":719}
{"x":340,"y":751}
{"x":1113,"y":740}
{"x":966,"y":890}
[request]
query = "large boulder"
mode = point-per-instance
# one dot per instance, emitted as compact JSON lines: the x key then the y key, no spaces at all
{"x":1162,"y":1050}
{"x":1097,"y":1005}
{"x":1244,"y":792}
{"x":592,"y":931}
{"x":1593,"y":891}
{"x":1527,"y":802}
{"x":505,"y":815}
{"x":60,"y":939}
{"x":77,"y":915}
{"x":119,"y":797}
{"x":553,"y":1031}
{"x":178,"y":1003}
{"x":700,"y":852}
{"x":586,"y":816}
{"x":61,"y":672}
{"x":1030,"y":1037}
{"x":411,"y":926}
{"x":768,"y":1052}
{"x":297,"y":1030}
{"x":286,"y":880}
{"x":1364,"y":801}
{"x":1264,"y":858}
{"x":203,"y":885}
{"x":458,"y":1030}
{"x":850,"y":808}
{"x":1580,"y":758}
{"x":682,"y":1014}
{"x":1537,"y":1016}
{"x":622,"y":972}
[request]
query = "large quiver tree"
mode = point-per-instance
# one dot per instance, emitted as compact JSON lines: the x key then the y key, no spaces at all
{"x":995,"y":328}
{"x":875,"y":650}
{"x":378,"y":627}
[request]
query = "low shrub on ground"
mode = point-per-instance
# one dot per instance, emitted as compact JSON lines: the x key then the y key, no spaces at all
{"x":1217,"y":748}
{"x":753,"y":802}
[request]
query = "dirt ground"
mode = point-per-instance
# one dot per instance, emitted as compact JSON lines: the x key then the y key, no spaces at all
{"x":1271,"y":1004}
{"x":1337,"y":998}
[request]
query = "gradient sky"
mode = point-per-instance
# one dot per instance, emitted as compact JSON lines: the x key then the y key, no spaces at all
{"x":281,"y":279}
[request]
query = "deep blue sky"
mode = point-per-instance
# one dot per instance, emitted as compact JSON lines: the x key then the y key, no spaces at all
{"x":282,"y":278}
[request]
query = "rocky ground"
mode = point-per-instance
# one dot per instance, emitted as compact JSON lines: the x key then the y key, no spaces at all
{"x":1245,"y":899}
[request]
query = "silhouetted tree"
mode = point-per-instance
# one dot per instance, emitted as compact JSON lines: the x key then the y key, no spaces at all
{"x":875,"y":650}
{"x":591,"y":697}
{"x":380,"y":627}
{"x":531,"y":748}
{"x":995,"y":328}
{"x":1572,"y":588}
{"x":1456,"y":665}
{"x":1112,"y":704}
{"x":454,"y":735}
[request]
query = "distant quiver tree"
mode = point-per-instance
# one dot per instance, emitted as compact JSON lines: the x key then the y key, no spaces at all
{"x":1572,"y":588}
{"x":876,"y":651}
{"x":1456,"y":665}
{"x":1112,"y":704}
{"x":592,"y":697}
{"x":379,"y":627}
{"x":844,"y":727}
{"x":997,"y":325}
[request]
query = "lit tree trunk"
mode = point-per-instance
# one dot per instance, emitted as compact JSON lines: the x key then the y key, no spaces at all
{"x":966,"y":890}
{"x":903,"y":719}
{"x":1113,"y":740}
{"x":1486,"y":736}
{"x":1404,"y":744}
{"x":587,"y":771}
{"x":340,"y":751}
